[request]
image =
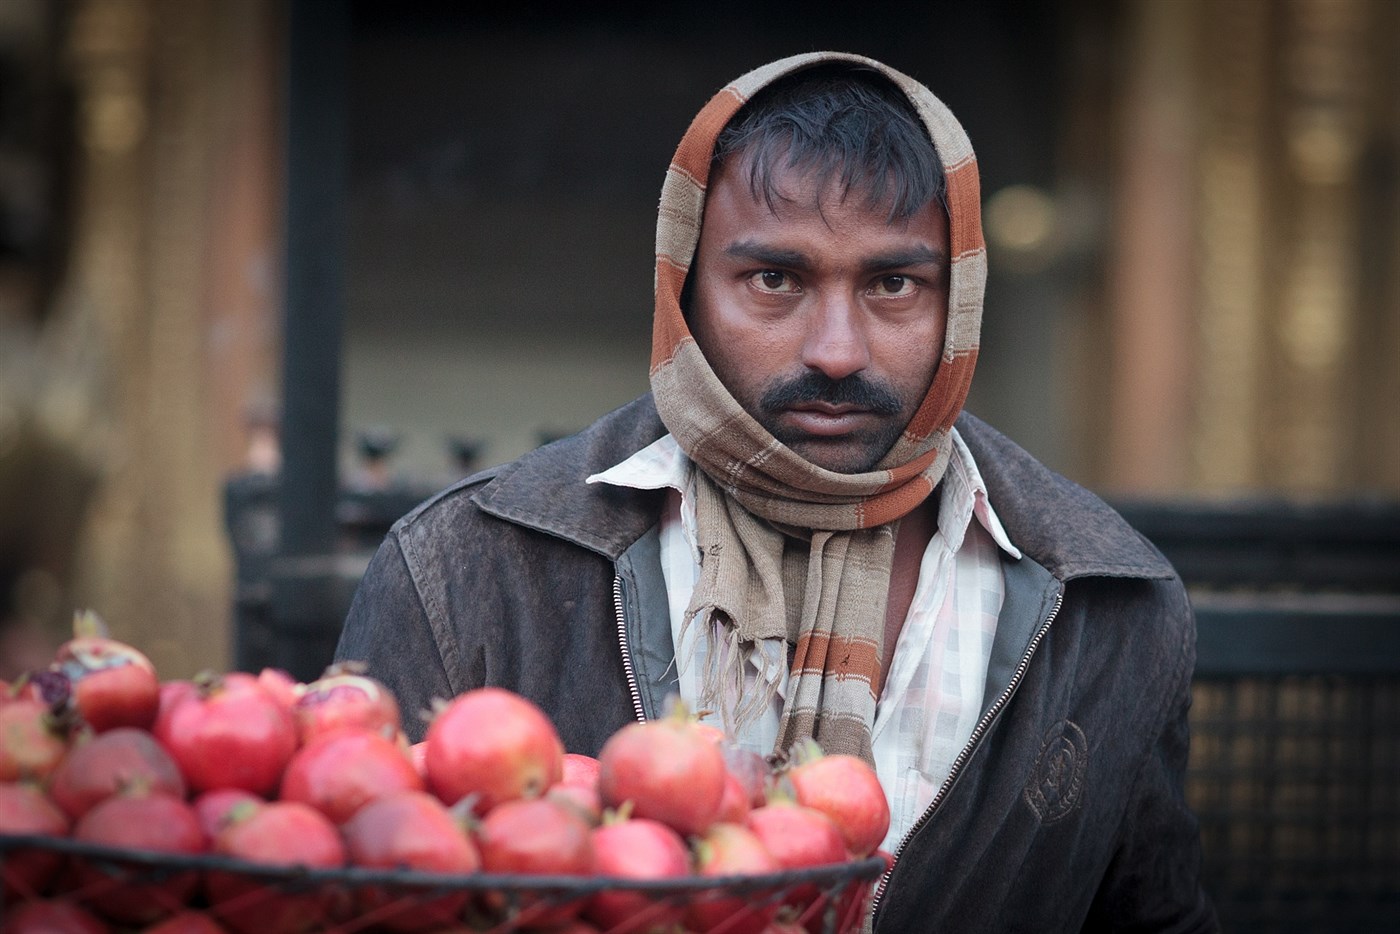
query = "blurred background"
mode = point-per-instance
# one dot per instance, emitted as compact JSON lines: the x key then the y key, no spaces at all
{"x":1193,"y":215}
{"x":273,"y":270}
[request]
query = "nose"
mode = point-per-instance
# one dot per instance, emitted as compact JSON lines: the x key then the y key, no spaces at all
{"x":835,"y":341}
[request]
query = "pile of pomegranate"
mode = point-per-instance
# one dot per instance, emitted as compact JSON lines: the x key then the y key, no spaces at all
{"x":225,"y":777}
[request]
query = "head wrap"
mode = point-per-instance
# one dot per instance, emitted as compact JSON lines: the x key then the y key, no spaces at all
{"x":789,"y":548}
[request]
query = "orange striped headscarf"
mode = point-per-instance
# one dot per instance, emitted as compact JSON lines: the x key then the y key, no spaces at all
{"x":789,"y":548}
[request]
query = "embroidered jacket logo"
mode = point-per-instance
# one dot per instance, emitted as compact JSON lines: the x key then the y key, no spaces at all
{"x":1057,"y":778}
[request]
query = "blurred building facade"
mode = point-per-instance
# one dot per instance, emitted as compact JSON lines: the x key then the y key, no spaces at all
{"x":1193,"y":211}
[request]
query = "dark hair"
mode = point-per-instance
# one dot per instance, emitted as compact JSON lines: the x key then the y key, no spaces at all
{"x":843,"y":122}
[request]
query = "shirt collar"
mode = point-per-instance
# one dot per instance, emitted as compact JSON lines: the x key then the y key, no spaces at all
{"x":663,"y":465}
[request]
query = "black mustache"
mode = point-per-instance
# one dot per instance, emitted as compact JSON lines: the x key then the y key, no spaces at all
{"x":817,"y":387}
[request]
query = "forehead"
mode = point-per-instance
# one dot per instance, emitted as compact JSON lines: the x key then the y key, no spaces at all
{"x":801,"y":199}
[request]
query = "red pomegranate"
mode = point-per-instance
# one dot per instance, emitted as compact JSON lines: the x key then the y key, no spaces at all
{"x":100,"y":766}
{"x":337,"y":773}
{"x":279,"y":833}
{"x":33,"y":740}
{"x":418,"y":755}
{"x":670,"y":769}
{"x":47,"y":685}
{"x":783,"y":926}
{"x":751,"y":771}
{"x":52,"y":917}
{"x":281,"y":685}
{"x":734,"y":806}
{"x":172,"y":693}
{"x":230,"y":734}
{"x":584,"y":801}
{"x":493,"y":744}
{"x":213,"y":808}
{"x":798,"y":837}
{"x":847,"y":790}
{"x":24,"y":809}
{"x":731,"y":850}
{"x":138,"y":820}
{"x":536,"y":837}
{"x":113,"y":683}
{"x":580,"y":770}
{"x":186,"y":922}
{"x":410,"y":830}
{"x":636,"y":849}
{"x":345,"y":697}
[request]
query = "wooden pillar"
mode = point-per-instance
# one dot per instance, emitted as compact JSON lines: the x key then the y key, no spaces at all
{"x":1323,"y":73}
{"x":1232,"y":216}
{"x":164,"y":92}
{"x":1150,"y":288}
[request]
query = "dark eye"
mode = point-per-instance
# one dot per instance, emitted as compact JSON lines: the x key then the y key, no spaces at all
{"x":896,"y":285}
{"x":773,"y":280}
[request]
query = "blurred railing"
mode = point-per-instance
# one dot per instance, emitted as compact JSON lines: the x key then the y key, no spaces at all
{"x":1295,"y":760}
{"x":1295,"y":766}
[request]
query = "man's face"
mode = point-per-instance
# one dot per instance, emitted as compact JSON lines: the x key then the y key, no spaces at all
{"x":823,"y":319}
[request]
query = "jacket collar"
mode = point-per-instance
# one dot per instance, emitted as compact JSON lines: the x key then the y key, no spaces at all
{"x":546,"y":489}
{"x":1060,"y":524}
{"x":1057,"y":523}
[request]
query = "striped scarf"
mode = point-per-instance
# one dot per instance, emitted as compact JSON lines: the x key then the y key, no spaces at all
{"x":788,"y":548}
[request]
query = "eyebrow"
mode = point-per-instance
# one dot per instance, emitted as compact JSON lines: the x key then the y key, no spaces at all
{"x":767,"y":255}
{"x":795,"y":259}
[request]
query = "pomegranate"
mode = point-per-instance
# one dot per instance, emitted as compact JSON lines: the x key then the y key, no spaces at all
{"x":113,"y":683}
{"x":345,"y":697}
{"x":172,"y":694}
{"x":580,"y":770}
{"x":24,"y":809}
{"x":281,"y":685}
{"x":138,"y":820}
{"x":51,"y":687}
{"x":186,"y":922}
{"x":52,"y":917}
{"x":584,"y":801}
{"x":731,"y":850}
{"x":784,"y":926}
{"x":33,"y":740}
{"x":410,"y":830}
{"x":493,"y":744}
{"x":751,"y":771}
{"x":573,"y":926}
{"x":669,"y":769}
{"x":230,"y":734}
{"x":339,"y":772}
{"x":98,"y":767}
{"x":537,"y":837}
{"x":213,"y":808}
{"x":636,"y":849}
{"x":845,"y":789}
{"x":279,"y":833}
{"x":799,"y":837}
{"x":734,"y":806}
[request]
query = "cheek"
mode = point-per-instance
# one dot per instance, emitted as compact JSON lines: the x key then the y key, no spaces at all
{"x":744,"y":351}
{"x":913,"y":355}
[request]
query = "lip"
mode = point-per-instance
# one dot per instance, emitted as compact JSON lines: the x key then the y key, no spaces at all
{"x":825,"y":420}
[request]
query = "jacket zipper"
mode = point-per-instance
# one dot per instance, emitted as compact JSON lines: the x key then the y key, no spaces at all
{"x":978,"y":732}
{"x":631,"y":673}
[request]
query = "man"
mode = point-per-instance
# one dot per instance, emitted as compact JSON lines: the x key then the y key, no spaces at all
{"x":798,"y":532}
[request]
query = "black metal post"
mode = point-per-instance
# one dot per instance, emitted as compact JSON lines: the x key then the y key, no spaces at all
{"x":307,"y":593}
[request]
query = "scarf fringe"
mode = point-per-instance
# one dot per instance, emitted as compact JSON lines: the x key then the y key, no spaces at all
{"x":722,"y":687}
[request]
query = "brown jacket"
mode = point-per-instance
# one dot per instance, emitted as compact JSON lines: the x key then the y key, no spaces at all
{"x":1064,"y":813}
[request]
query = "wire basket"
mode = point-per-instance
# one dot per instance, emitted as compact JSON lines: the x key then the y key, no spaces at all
{"x":136,"y":888}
